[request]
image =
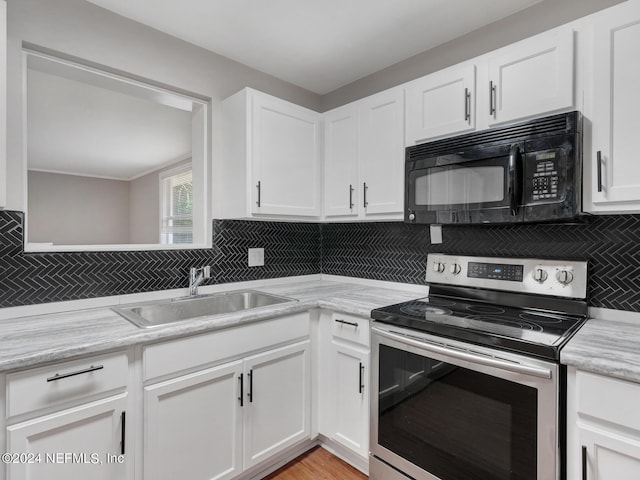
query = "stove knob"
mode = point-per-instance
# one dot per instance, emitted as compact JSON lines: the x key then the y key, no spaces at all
{"x":438,"y":267}
{"x":565,"y":277}
{"x":539,"y":275}
{"x":455,"y":268}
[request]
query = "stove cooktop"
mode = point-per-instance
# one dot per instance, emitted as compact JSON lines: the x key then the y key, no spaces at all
{"x":521,"y":330}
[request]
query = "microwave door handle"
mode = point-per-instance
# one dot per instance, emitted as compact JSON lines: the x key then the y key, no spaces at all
{"x":514,"y":178}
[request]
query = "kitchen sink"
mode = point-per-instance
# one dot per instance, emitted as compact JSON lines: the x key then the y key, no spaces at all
{"x":154,"y":314}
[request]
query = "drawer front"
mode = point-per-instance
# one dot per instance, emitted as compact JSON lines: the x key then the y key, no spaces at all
{"x":351,"y":328}
{"x":609,"y":399}
{"x":188,"y":353}
{"x":66,"y":382}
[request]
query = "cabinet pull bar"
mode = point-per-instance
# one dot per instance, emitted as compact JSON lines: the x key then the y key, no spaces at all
{"x":250,"y":394}
{"x":365,"y":194}
{"x":492,"y":99}
{"x":258,"y":187}
{"x":59,"y":376}
{"x":584,"y":463}
{"x":599,"y":159}
{"x":350,"y":197}
{"x":241,"y":378}
{"x":467,"y":105}
{"x":123,"y":418}
{"x":360,"y":384}
{"x":353,"y":324}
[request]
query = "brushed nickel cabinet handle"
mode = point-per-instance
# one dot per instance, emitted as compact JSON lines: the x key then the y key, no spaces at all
{"x":467,"y":105}
{"x":599,"y":160}
{"x":492,"y":98}
{"x":258,"y":187}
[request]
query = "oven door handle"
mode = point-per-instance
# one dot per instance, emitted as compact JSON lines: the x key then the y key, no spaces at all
{"x":467,"y":356}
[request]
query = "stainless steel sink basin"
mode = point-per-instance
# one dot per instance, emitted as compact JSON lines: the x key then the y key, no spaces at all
{"x":146,"y":315}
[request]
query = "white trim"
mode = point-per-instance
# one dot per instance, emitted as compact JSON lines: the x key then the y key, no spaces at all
{"x":116,"y":247}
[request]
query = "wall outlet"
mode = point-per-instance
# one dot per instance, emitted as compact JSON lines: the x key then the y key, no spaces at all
{"x":256,"y":257}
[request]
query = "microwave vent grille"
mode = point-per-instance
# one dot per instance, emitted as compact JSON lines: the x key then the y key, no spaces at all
{"x":553,"y":125}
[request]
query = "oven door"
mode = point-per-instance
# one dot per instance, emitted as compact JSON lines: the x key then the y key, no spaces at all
{"x":447,"y":410}
{"x":483,"y":185}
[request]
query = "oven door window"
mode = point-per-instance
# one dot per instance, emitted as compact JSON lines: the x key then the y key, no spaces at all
{"x":466,"y":186}
{"x":453,"y":422}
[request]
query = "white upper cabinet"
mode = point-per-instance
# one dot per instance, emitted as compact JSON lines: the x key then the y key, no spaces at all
{"x":341,"y":161}
{"x":381,"y":162}
{"x":364,"y":158}
{"x":615,"y":169}
{"x":531,"y":77}
{"x":3,"y":104}
{"x":441,"y":104}
{"x":271,"y":158}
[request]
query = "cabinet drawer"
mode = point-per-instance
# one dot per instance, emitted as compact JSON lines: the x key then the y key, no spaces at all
{"x":349,"y":327}
{"x":609,"y":399}
{"x":188,"y":353}
{"x":66,"y":382}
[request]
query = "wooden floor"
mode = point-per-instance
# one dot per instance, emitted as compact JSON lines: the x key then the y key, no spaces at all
{"x":317,"y":464}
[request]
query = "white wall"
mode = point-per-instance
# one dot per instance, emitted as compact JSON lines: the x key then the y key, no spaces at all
{"x":144,"y":209}
{"x":78,"y":28}
{"x":74,"y":210}
{"x":526,"y":23}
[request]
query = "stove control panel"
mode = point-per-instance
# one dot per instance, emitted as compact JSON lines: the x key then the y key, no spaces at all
{"x":526,"y":275}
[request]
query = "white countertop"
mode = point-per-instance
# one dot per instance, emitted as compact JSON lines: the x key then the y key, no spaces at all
{"x":32,"y":340}
{"x":609,"y":345}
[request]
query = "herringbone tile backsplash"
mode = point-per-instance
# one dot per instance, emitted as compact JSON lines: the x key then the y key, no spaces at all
{"x":390,"y":251}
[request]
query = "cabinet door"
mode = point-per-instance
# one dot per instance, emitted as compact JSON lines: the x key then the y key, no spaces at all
{"x":382,"y":152}
{"x":351,"y":397}
{"x":278,"y":394}
{"x":531,"y":77}
{"x":341,"y":161}
{"x":285,"y":158}
{"x":440,"y":104}
{"x":76,"y":444}
{"x":193,"y":426}
{"x":616,"y":103}
{"x":609,"y":456}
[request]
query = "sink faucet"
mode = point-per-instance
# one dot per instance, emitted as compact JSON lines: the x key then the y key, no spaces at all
{"x":196,"y":277}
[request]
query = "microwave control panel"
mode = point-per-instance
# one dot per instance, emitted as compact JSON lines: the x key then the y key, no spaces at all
{"x":544,"y":176}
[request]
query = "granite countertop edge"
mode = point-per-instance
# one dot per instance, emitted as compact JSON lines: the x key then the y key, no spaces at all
{"x":63,"y":340}
{"x":606,"y":347}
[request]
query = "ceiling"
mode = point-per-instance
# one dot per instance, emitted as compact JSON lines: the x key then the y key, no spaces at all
{"x":81,"y":123}
{"x":318,"y":45}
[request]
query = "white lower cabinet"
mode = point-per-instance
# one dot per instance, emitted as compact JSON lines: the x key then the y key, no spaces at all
{"x":193,"y":426}
{"x":277,"y":414}
{"x":603,"y":432}
{"x":218,"y":421}
{"x":344,"y":385}
{"x":70,"y":421}
{"x":351,"y":397}
{"x":609,"y":456}
{"x":85,"y":442}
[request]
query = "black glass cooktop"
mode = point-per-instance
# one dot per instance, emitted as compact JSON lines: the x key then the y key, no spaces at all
{"x":521,"y":330}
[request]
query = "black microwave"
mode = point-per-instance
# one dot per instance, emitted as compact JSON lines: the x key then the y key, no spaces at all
{"x":525,"y":172}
